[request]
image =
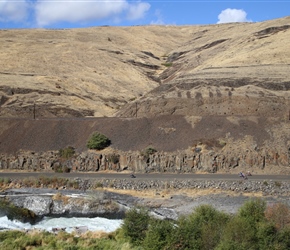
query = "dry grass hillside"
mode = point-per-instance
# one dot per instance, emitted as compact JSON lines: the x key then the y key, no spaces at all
{"x":81,"y":72}
{"x":226,"y":69}
{"x":102,"y":71}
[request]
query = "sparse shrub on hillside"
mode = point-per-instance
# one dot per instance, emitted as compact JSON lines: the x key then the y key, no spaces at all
{"x":148,"y":151}
{"x":66,"y":152}
{"x":61,"y":169}
{"x":98,"y":141}
{"x":114,"y":158}
{"x":167,"y":64}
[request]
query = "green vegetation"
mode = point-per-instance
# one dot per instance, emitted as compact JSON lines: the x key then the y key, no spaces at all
{"x":148,"y":151}
{"x":61,"y":169}
{"x":66,"y":153}
{"x":167,"y":64}
{"x":5,"y":181}
{"x":98,"y":141}
{"x":41,"y":181}
{"x":44,"y":240}
{"x":255,"y":226}
{"x":16,"y":213}
{"x":135,"y":225}
{"x":114,"y":158}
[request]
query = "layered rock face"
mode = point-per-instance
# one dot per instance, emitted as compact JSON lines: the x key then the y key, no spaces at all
{"x":200,"y":159}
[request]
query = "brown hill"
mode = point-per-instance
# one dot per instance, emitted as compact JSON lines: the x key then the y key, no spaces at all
{"x":81,"y":72}
{"x":223,"y":88}
{"x":188,"y":70}
{"x":229,"y":69}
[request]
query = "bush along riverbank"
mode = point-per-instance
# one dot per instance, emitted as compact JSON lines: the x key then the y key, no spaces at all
{"x":255,"y":226}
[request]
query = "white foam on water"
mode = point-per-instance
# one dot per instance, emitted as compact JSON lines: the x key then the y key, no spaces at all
{"x":47,"y":224}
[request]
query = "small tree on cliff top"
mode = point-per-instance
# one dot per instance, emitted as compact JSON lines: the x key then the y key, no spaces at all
{"x":98,"y":141}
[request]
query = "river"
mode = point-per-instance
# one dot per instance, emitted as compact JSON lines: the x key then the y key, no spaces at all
{"x":70,"y":224}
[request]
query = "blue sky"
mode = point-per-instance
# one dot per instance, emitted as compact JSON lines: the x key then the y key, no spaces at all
{"x":87,"y":13}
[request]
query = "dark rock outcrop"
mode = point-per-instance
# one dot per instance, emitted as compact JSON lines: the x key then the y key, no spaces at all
{"x":200,"y":159}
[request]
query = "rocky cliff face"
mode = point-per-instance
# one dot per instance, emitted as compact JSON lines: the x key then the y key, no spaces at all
{"x":200,"y":159}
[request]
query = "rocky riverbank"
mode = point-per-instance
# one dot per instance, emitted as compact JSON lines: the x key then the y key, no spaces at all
{"x":166,"y":199}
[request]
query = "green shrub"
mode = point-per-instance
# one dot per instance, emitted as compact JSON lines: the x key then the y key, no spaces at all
{"x":114,"y":158}
{"x":266,"y":235}
{"x":98,"y":141}
{"x":212,"y":223}
{"x":202,"y":229}
{"x":150,"y":151}
{"x":253,"y":210}
{"x":167,"y":64}
{"x":238,"y":234}
{"x":283,"y":238}
{"x":187,"y":235}
{"x":135,"y":225}
{"x":241,"y":232}
{"x":67,"y":152}
{"x":99,"y":185}
{"x":158,"y":234}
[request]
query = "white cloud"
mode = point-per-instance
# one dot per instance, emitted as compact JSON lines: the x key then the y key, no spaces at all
{"x":137,"y":10}
{"x":14,"y":11}
{"x":49,"y":12}
{"x":232,"y":15}
{"x":159,"y":20}
{"x":53,"y":11}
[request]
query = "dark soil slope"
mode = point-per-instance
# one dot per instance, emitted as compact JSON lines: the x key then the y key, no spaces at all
{"x":165,"y":133}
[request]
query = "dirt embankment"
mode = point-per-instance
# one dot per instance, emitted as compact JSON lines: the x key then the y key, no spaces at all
{"x":165,"y":133}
